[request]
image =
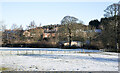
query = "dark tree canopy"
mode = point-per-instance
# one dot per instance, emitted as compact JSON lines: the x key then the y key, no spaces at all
{"x":94,"y":23}
{"x":108,"y":33}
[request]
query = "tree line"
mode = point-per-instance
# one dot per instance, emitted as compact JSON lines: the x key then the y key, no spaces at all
{"x":98,"y":34}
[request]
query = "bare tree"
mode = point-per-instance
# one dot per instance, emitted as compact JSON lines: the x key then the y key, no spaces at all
{"x":32,"y":25}
{"x":14,"y":27}
{"x":68,"y":21}
{"x":21,"y":27}
{"x":2,"y":26}
{"x":112,"y":10}
{"x":2,"y":29}
{"x":16,"y":33}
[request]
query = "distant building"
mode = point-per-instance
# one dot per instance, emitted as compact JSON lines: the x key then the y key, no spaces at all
{"x":50,"y":31}
{"x":26,"y":33}
{"x":35,"y":32}
{"x":48,"y":35}
{"x":73,"y":43}
{"x":95,"y":30}
{"x":98,"y":30}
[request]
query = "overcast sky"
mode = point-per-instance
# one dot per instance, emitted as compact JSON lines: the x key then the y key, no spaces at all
{"x":50,"y":12}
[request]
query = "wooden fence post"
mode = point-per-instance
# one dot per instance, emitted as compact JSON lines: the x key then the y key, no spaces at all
{"x":51,"y":52}
{"x":83,"y":51}
{"x":80,"y":50}
{"x":10,"y":52}
{"x":32,"y":52}
{"x":39,"y":52}
{"x":26,"y":52}
{"x":18,"y":52}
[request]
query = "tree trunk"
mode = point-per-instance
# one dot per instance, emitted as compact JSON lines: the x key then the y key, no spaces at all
{"x":69,"y":37}
{"x":116,"y":30}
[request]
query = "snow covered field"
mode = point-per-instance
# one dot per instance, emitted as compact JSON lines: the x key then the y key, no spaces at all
{"x":100,"y":61}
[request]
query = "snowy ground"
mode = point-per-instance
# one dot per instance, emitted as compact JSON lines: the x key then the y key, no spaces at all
{"x":60,"y":61}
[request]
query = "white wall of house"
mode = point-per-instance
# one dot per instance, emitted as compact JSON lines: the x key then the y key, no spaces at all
{"x":76,"y":43}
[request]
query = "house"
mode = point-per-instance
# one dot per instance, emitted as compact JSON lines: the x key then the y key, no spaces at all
{"x":48,"y":35}
{"x":73,"y":43}
{"x":35,"y":32}
{"x":95,"y":30}
{"x":98,"y":30}
{"x":26,"y":33}
{"x":50,"y":31}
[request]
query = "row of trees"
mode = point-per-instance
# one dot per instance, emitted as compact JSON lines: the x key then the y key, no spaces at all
{"x":72,"y":29}
{"x":111,"y":28}
{"x":110,"y":36}
{"x":109,"y":25}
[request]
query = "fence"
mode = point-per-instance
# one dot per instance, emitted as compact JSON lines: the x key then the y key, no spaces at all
{"x":39,"y":52}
